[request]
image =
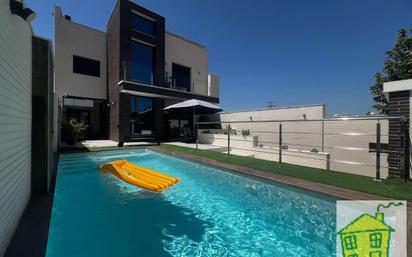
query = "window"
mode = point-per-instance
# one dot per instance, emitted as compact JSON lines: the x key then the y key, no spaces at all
{"x":181,"y":77}
{"x":142,"y":62}
{"x":86,"y":66}
{"x":376,"y":240}
{"x":141,"y":113}
{"x":144,"y":25}
{"x":350,"y":242}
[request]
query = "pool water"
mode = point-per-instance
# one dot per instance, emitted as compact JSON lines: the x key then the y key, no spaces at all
{"x":210,"y":212}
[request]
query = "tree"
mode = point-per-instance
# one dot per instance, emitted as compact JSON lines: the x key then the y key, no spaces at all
{"x":397,"y":66}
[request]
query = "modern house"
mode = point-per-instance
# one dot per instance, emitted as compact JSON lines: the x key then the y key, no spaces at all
{"x":119,"y":81}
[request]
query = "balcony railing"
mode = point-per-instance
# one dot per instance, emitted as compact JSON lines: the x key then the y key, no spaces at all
{"x":197,"y":86}
{"x":172,"y":83}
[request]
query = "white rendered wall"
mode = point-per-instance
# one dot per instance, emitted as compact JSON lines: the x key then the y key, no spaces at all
{"x":347,"y":142}
{"x":288,"y":113}
{"x":189,"y":54}
{"x":213,"y":86}
{"x":75,"y":39}
{"x":15,"y":120}
{"x":245,"y":145}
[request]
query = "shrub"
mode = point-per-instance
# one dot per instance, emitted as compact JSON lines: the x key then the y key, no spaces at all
{"x":77,"y":129}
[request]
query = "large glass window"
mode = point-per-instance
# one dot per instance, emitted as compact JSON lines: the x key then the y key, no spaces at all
{"x":141,"y":113}
{"x":181,"y":77}
{"x":142,"y":62}
{"x":178,"y":128}
{"x":144,"y":25}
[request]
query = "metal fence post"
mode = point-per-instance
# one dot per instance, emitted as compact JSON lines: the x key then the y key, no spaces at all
{"x":228,"y":138}
{"x":280,"y":142}
{"x":378,"y":150}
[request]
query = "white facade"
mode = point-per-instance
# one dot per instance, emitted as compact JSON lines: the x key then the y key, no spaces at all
{"x":213,"y":86}
{"x":15,"y":120}
{"x":72,"y":39}
{"x":184,"y":52}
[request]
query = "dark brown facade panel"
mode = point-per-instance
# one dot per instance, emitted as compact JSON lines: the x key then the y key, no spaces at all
{"x":398,"y":159}
{"x":158,"y":41}
{"x":160,"y":122}
{"x":113,"y":71}
{"x":124,"y":117}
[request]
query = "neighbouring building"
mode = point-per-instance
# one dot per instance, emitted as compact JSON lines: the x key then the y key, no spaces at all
{"x":119,"y":81}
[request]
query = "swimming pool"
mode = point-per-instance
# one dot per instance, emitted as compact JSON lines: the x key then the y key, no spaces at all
{"x":210,"y":212}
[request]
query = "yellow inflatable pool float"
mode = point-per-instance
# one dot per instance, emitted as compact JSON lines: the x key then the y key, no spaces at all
{"x":139,"y":176}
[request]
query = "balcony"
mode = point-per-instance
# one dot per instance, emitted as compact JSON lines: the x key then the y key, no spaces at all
{"x":173,"y":83}
{"x":170,"y":87}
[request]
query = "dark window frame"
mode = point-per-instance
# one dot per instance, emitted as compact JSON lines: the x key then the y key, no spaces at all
{"x":144,"y":20}
{"x":141,"y":119}
{"x":135,"y":77}
{"x":180,"y":66}
{"x":82,"y":65}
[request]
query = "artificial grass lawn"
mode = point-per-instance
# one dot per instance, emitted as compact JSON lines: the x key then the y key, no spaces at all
{"x":394,"y":188}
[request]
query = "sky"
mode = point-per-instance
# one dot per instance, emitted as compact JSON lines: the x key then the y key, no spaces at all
{"x":291,"y":52}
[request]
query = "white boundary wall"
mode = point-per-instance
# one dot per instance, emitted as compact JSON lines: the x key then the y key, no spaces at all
{"x":342,"y":140}
{"x":245,"y":144}
{"x":15,"y":120}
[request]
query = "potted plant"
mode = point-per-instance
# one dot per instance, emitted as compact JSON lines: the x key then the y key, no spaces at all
{"x":314,"y":150}
{"x":245,"y":133}
{"x":76,"y":131}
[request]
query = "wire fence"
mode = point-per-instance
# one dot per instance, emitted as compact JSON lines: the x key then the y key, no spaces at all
{"x":357,"y":145}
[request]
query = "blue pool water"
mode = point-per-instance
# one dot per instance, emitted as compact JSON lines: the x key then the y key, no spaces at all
{"x":210,"y":212}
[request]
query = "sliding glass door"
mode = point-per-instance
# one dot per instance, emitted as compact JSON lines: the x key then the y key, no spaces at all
{"x":141,"y":115}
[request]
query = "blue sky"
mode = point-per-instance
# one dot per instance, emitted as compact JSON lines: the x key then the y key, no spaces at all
{"x":292,"y":52}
